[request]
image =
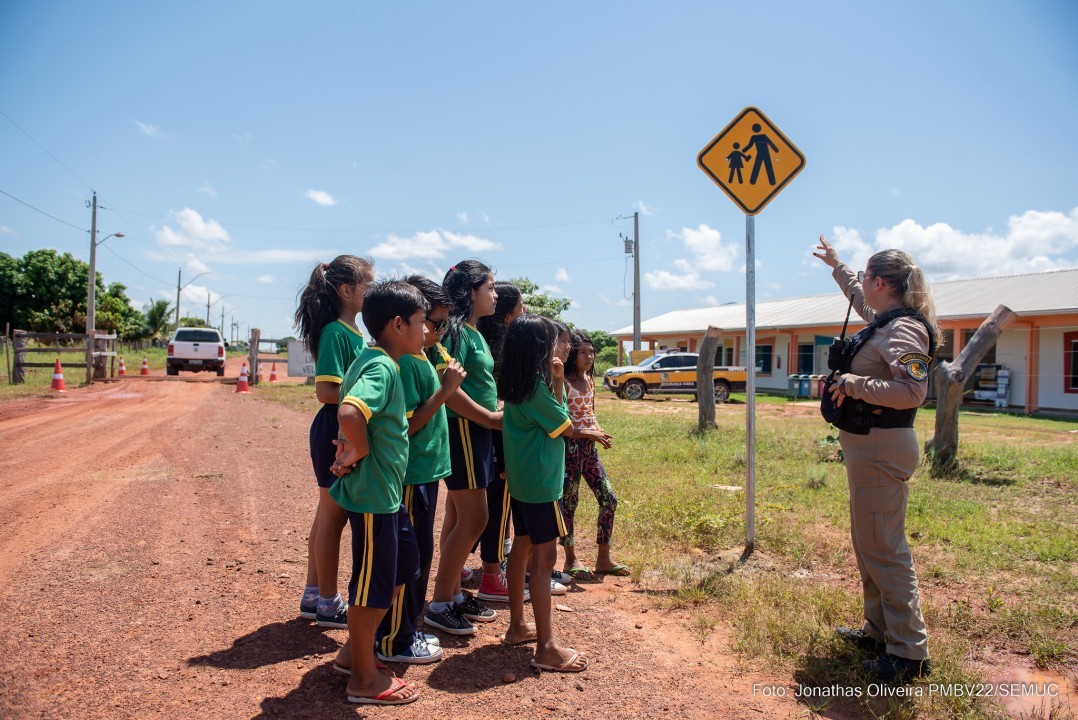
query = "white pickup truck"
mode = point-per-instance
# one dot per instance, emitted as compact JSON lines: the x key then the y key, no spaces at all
{"x":196,"y":349}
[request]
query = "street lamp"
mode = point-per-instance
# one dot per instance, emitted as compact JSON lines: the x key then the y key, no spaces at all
{"x":91,"y":285}
{"x":179,"y":288}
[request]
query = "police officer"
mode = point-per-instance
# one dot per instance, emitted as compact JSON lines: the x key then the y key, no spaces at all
{"x":882,"y":383}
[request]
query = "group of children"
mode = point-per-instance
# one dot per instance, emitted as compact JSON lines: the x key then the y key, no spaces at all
{"x":418,"y":406}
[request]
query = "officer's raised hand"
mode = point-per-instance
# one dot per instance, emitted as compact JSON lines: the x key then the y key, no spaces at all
{"x":827,"y":253}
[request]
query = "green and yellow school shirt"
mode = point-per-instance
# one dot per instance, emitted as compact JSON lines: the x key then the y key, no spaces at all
{"x":428,"y":448}
{"x":534,"y":449}
{"x":473,"y":353}
{"x":338,"y":348}
{"x":373,"y":385}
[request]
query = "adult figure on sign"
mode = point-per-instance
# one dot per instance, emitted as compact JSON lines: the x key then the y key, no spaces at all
{"x":882,"y":379}
{"x":762,"y":145}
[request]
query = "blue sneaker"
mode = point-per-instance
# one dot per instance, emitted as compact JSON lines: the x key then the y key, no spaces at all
{"x":418,"y":653}
{"x":429,"y":639}
{"x":337,"y":619}
{"x":308,"y":610}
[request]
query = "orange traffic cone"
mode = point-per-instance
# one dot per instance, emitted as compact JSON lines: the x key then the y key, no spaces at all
{"x":58,"y":377}
{"x":242,"y":386}
{"x":259,"y":372}
{"x":273,"y":373}
{"x":145,"y":367}
{"x":122,"y":370}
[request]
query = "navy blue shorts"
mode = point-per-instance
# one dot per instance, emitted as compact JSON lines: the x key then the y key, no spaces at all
{"x":499,"y":451}
{"x":541,"y":522}
{"x":384,"y":555}
{"x":324,"y":431}
{"x":471,"y":451}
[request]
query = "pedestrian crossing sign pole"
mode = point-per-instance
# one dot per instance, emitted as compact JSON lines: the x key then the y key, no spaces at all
{"x":752,"y":161}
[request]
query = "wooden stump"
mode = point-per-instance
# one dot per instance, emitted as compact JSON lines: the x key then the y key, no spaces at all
{"x":705,"y":378}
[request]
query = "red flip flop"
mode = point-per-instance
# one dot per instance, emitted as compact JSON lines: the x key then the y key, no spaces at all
{"x":383,"y":698}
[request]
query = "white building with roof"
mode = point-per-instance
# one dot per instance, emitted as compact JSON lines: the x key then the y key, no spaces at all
{"x":1039,"y":349}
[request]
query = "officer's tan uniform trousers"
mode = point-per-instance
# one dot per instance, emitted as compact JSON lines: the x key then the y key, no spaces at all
{"x":878,"y":466}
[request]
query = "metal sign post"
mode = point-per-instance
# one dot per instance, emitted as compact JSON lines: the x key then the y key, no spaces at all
{"x":751,"y":160}
{"x":750,"y":383}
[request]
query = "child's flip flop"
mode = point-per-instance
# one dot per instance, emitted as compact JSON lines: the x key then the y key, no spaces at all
{"x":618,"y":570}
{"x":383,"y":698}
{"x":566,"y":667}
{"x":581,"y":574}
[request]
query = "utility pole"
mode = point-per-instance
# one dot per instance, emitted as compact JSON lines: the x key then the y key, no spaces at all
{"x":222,"y":319}
{"x":636,"y":280}
{"x":207,"y":309}
{"x":179,"y":276}
{"x":91,"y":286}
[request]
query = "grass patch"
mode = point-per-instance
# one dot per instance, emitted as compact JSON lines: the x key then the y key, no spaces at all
{"x":995,"y":544}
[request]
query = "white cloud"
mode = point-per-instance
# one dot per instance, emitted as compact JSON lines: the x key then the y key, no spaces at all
{"x":552,"y":289}
{"x":561,"y":275}
{"x":462,"y":216}
{"x":320,"y":197}
{"x":5,"y":230}
{"x":194,"y":232}
{"x":644,"y":209}
{"x":264,"y":279}
{"x":709,"y":254}
{"x":195,"y":265}
{"x":620,"y":302}
{"x":710,"y":300}
{"x":485,"y":218}
{"x":150,"y":130}
{"x":243,"y":138}
{"x":1033,"y":242}
{"x":430,"y":245}
{"x":664,"y":280}
{"x":206,"y":189}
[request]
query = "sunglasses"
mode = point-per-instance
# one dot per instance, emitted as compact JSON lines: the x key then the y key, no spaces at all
{"x":862,"y":276}
{"x":439,"y":327}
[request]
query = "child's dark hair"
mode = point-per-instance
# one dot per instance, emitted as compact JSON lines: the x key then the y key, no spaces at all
{"x":320,"y":300}
{"x":432,"y":291}
{"x":562,"y":329}
{"x":578,"y":339}
{"x":389,"y":299}
{"x":462,"y":278}
{"x":528,"y":349}
{"x":493,"y":327}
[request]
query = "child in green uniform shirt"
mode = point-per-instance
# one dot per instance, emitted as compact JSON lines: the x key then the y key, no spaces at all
{"x":535,"y":420}
{"x":371,"y":471}
{"x":425,"y":393}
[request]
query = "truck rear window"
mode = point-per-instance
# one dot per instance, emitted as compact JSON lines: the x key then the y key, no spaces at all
{"x":195,"y":335}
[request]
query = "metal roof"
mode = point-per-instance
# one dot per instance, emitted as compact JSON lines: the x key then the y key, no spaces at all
{"x":1045,"y":293}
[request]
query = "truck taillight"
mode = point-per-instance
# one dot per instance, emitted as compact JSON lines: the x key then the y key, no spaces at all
{"x":171,"y":349}
{"x":220,"y":351}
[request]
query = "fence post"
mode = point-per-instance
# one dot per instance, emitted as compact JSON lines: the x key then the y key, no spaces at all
{"x":19,"y":342}
{"x":252,"y":375}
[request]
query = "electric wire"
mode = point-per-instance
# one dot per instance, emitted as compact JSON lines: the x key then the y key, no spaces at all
{"x":46,"y":151}
{"x":22,"y":202}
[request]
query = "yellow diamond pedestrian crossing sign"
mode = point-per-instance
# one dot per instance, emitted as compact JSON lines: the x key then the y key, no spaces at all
{"x":751,"y":160}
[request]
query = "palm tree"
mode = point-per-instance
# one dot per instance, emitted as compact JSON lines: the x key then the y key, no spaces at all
{"x":157,"y":316}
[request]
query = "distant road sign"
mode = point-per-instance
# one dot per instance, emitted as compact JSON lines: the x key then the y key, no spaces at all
{"x":751,"y":160}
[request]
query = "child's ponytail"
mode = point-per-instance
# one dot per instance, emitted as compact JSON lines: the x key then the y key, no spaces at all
{"x":320,"y":301}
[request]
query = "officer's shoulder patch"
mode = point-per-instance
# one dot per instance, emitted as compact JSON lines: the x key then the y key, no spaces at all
{"x":916,"y":365}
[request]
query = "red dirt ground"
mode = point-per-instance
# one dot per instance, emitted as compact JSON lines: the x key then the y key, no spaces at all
{"x":152,"y":550}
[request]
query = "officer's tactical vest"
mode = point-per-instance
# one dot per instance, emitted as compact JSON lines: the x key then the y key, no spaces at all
{"x":858,"y":416}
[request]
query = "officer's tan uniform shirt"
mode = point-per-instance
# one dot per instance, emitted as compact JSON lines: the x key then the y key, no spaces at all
{"x":888,"y":364}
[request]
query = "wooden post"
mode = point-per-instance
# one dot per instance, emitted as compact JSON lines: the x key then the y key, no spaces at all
{"x":252,"y":357}
{"x":19,"y":342}
{"x":705,"y":379}
{"x":950,"y":379}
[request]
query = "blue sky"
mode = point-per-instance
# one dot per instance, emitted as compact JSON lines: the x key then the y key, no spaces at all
{"x":249,"y":140}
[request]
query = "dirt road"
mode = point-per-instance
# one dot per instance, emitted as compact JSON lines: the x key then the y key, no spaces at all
{"x":152,"y":551}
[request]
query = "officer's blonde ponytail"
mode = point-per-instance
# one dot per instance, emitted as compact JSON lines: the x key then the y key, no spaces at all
{"x":909,"y":283}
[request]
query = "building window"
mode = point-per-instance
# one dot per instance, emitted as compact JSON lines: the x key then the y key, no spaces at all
{"x":763,"y":359}
{"x":1070,"y":362}
{"x":806,"y":355}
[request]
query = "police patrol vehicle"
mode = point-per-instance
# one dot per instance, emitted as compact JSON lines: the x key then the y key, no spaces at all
{"x":670,"y":372}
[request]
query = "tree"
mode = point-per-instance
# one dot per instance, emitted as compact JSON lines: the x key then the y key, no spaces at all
{"x":540,"y":303}
{"x":114,"y":313}
{"x":157,"y":316}
{"x":190,"y":321}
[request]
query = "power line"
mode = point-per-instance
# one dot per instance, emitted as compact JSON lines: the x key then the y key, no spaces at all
{"x":484,"y":229}
{"x":63,"y":222}
{"x":132,"y":265}
{"x":46,"y":151}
